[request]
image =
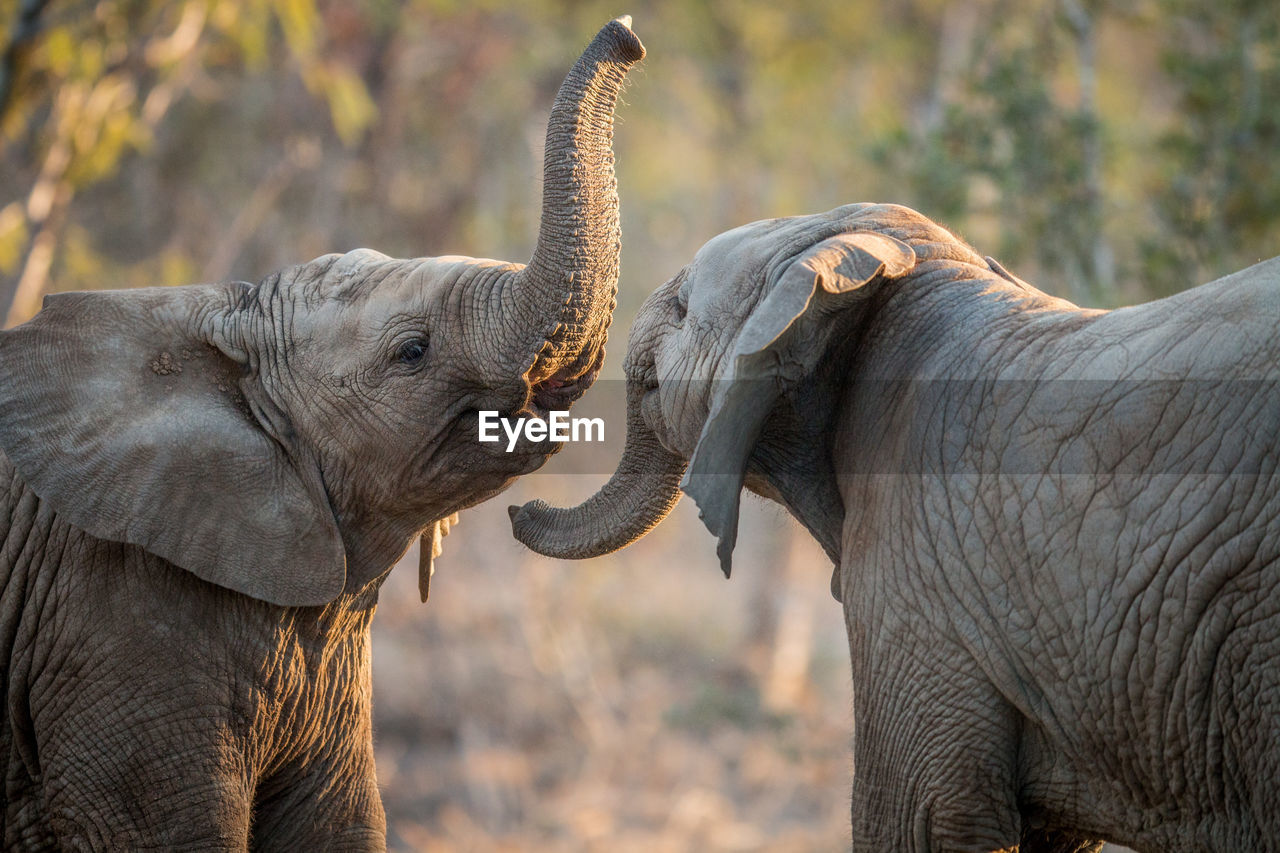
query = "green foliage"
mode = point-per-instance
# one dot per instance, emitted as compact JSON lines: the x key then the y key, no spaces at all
{"x":1006,"y":145}
{"x":100,"y":83}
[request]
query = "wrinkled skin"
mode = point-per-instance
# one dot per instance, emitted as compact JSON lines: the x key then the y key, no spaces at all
{"x":1056,"y":531}
{"x":202,"y":489}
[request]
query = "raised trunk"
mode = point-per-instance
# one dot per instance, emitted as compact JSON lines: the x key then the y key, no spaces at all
{"x":641,"y":492}
{"x":564,"y":299}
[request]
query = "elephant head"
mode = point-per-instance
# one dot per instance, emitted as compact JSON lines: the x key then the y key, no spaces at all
{"x":734,"y":367}
{"x":288,"y":439}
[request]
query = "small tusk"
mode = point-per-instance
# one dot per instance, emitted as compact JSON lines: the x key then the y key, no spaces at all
{"x":430,"y":546}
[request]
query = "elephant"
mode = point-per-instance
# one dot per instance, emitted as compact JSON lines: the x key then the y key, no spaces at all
{"x":1055,"y":530}
{"x":206,"y":485}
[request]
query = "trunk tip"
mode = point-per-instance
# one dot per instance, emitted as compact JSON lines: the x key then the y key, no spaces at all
{"x":521,"y":519}
{"x":622,"y":42}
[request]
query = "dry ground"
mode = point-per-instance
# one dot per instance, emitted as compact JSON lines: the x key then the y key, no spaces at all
{"x":636,"y":702}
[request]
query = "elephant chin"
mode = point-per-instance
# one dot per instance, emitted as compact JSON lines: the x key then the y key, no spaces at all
{"x":642,"y":491}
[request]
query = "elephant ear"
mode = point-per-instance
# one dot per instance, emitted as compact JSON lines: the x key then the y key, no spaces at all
{"x":769,"y":356}
{"x":134,"y":415}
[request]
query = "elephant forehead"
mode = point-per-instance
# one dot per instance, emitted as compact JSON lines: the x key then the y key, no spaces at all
{"x":347,"y":307}
{"x":732,"y":272}
{"x":746,"y":254}
{"x":749,"y":250}
{"x":749,"y":247}
{"x":726,"y":277}
{"x":362,"y":274}
{"x":362,"y":290}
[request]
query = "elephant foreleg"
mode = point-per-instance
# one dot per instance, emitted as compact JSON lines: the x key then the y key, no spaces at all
{"x":330,"y":805}
{"x":1041,"y":841}
{"x":934,"y":769}
{"x":111,"y":795}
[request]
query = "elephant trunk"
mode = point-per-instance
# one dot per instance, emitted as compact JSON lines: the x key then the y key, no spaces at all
{"x":569,"y":287}
{"x":641,"y":492}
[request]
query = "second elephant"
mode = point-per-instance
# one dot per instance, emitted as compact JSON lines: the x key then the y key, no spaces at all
{"x":1056,"y":531}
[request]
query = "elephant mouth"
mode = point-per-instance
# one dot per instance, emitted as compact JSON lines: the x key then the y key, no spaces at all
{"x":556,"y":393}
{"x":561,"y":390}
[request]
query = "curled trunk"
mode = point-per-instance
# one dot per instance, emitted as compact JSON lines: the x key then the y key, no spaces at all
{"x":563,"y":300}
{"x":641,"y":492}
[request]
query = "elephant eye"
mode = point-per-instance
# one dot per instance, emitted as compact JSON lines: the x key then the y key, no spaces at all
{"x":412,"y":351}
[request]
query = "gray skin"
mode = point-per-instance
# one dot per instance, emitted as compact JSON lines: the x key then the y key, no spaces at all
{"x":1056,"y":531}
{"x":204,"y":488}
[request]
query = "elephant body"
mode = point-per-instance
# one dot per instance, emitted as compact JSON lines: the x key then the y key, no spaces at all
{"x":148,"y":709}
{"x":1056,"y":531}
{"x":1078,"y":515}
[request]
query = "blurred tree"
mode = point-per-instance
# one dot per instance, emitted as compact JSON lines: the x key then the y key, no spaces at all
{"x":21,"y":34}
{"x":1017,"y":139}
{"x":1217,"y":195}
{"x":1001,"y":140}
{"x":94,"y":87}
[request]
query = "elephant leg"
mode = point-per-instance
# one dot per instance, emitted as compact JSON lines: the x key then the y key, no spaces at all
{"x":1043,"y":841}
{"x":330,"y":805}
{"x":142,"y":789}
{"x":934,"y":765}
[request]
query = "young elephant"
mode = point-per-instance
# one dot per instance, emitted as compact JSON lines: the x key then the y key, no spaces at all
{"x":205,"y":486}
{"x":1056,"y":531}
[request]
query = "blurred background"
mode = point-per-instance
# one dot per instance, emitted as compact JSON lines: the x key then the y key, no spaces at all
{"x":1110,"y":152}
